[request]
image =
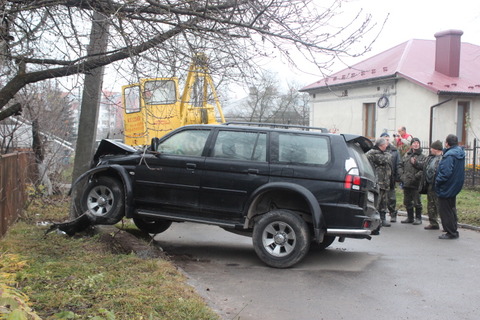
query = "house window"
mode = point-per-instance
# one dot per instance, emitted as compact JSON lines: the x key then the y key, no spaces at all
{"x":463,"y":111}
{"x":369,"y":120}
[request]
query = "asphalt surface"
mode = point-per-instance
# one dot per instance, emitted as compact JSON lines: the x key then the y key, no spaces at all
{"x":405,"y":273}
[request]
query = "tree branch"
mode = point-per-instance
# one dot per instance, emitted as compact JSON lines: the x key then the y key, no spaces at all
{"x":20,"y":80}
{"x":13,"y":110}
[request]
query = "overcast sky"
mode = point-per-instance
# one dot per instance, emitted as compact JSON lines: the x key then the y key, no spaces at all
{"x":414,"y":19}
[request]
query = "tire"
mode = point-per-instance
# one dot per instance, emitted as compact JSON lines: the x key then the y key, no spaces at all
{"x":327,"y":241}
{"x":281,"y":238}
{"x":104,"y":200}
{"x":152,"y":226}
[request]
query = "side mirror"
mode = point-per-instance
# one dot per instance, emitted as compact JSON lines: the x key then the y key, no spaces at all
{"x":154,"y":144}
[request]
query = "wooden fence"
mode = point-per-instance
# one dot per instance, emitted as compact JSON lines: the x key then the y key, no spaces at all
{"x":16,"y":171}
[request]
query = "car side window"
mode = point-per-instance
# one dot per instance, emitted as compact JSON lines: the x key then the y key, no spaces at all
{"x":187,"y":142}
{"x":242,"y":145}
{"x":303,"y":149}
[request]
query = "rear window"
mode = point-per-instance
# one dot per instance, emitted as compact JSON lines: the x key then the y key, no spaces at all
{"x":303,"y":149}
{"x":363,"y":164}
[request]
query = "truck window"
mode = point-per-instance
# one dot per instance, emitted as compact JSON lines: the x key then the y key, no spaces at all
{"x":159,"y":92}
{"x":132,"y":99}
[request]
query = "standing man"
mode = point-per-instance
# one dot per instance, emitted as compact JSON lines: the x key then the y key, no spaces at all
{"x":403,"y":140}
{"x":380,"y":160}
{"x":391,"y":194}
{"x":428,"y":179}
{"x":410,"y":175}
{"x":448,"y":183}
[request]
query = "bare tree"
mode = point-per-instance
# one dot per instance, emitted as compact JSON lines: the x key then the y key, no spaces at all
{"x":44,"y":39}
{"x":262,"y":101}
{"x":293,"y":107}
{"x":269,"y":102}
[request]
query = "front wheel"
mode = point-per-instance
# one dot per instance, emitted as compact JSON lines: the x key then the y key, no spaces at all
{"x":152,"y":226}
{"x":104,"y":200}
{"x":281,"y":238}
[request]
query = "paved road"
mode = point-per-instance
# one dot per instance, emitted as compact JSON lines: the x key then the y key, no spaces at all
{"x":405,"y":273}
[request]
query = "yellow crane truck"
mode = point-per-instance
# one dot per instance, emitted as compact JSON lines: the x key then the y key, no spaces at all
{"x":153,"y":107}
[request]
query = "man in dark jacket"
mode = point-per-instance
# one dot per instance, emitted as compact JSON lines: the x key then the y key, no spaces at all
{"x":448,"y":183}
{"x":410,"y":175}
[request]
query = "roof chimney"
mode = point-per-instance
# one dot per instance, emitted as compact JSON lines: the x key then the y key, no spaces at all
{"x":447,"y":52}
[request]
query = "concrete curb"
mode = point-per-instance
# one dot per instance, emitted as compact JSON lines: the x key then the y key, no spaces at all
{"x":461,"y":225}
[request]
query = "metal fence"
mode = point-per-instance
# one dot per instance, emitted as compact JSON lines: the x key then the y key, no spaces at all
{"x":472,"y":164}
{"x":16,"y":171}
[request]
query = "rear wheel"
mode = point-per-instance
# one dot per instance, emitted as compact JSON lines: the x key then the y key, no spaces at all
{"x":152,"y":226}
{"x":281,"y":238}
{"x":104,"y":200}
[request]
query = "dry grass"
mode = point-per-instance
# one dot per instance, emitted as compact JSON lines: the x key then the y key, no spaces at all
{"x":80,"y":278}
{"x":468,"y":205}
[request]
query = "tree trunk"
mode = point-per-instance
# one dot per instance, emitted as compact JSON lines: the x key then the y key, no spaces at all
{"x":91,"y":97}
{"x":92,"y":90}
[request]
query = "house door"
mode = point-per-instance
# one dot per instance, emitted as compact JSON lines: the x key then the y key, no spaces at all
{"x":463,"y":111}
{"x":369,"y":120}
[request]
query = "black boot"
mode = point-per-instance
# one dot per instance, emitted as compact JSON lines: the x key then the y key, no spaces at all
{"x":409,"y":216}
{"x":393,"y":216}
{"x":418,"y":216}
{"x":384,"y":220}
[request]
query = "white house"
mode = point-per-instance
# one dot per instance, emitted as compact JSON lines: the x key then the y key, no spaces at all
{"x":432,"y":87}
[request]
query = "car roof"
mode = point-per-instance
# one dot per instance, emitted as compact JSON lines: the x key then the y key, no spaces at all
{"x":365,"y":143}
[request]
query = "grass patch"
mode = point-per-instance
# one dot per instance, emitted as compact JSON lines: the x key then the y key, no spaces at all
{"x":80,"y":278}
{"x":468,"y":205}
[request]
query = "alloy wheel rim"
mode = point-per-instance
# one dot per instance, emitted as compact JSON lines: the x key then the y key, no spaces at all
{"x":279,"y":239}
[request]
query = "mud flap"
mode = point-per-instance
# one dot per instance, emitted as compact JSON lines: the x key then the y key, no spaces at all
{"x":71,"y":227}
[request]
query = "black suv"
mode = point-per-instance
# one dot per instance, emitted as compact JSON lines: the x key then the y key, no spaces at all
{"x":284,"y":187}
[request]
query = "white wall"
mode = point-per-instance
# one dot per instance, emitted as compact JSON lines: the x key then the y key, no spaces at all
{"x":413,"y":108}
{"x":335,"y":110}
{"x":409,"y":106}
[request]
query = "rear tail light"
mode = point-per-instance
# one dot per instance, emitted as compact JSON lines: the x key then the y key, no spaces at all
{"x":367,"y":224}
{"x":352,"y":180}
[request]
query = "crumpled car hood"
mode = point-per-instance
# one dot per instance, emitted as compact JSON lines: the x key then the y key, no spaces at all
{"x":108,"y":146}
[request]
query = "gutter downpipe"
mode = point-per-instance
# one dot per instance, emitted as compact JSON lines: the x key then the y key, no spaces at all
{"x":431,"y":119}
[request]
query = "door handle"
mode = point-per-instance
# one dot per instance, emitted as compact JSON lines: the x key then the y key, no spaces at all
{"x":252,"y":171}
{"x":191,"y":166}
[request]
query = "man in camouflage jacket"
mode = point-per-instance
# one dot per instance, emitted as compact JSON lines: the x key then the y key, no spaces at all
{"x":382,"y":163}
{"x":410,"y":171}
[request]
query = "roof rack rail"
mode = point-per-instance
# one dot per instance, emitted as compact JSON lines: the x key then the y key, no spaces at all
{"x":276,"y":125}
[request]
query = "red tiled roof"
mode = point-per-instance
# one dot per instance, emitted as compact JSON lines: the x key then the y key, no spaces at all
{"x":413,"y":60}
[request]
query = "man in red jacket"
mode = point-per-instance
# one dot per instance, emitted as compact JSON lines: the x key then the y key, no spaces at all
{"x":403,"y":140}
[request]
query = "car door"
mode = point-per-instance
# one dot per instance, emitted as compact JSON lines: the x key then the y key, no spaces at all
{"x":236,"y":166}
{"x":169,"y":181}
